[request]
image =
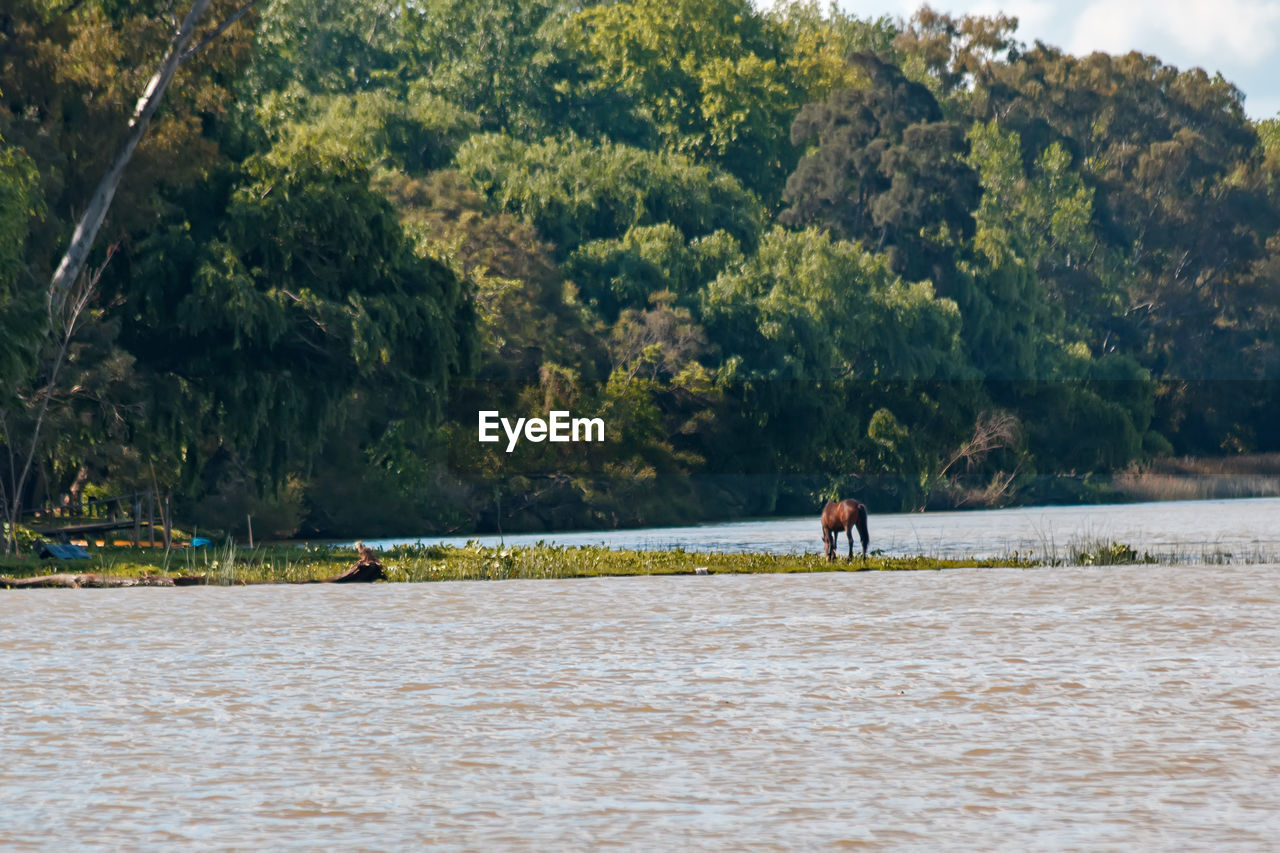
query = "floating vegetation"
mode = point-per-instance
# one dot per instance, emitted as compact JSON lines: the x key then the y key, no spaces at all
{"x":1109,"y":554}
{"x":232,"y":565}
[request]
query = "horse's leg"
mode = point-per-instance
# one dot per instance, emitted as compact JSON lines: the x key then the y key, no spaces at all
{"x":848,"y":534}
{"x":862,"y":530}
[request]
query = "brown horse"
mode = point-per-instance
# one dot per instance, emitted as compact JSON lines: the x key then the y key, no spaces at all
{"x":845,"y":516}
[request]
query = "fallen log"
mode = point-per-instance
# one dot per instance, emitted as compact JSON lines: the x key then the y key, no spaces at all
{"x":361,"y":572}
{"x":367,"y":570}
{"x":85,"y":581}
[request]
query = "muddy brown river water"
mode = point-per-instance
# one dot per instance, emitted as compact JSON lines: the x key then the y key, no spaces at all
{"x":1125,"y":707}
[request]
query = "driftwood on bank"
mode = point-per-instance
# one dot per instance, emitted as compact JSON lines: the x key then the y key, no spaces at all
{"x":367,"y":570}
{"x":361,"y":572}
{"x":85,"y":581}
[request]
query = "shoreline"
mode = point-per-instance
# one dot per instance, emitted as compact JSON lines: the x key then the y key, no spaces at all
{"x":232,"y":566}
{"x":1010,"y":540}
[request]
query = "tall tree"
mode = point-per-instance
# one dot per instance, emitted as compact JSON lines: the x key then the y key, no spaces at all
{"x":884,"y":167}
{"x":1174,"y":161}
{"x":824,"y":347}
{"x":258,"y":327}
{"x":52,"y":60}
{"x":575,"y":191}
{"x":717,"y":81}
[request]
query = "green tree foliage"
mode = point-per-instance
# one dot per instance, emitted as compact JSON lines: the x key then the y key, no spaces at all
{"x":818,"y":336}
{"x":17,"y":210}
{"x":574,"y":191}
{"x":500,"y":60}
{"x":1033,"y":243}
{"x":1180,"y":200}
{"x":302,"y":296}
{"x":648,"y":259}
{"x":413,"y":132}
{"x":527,"y":313}
{"x":717,"y":81}
{"x":949,"y":54}
{"x":72,"y":74}
{"x":1043,"y":284}
{"x":824,"y":35}
{"x":658,"y":343}
{"x":1269,"y":145}
{"x":784,"y":253}
{"x":1172,"y":156}
{"x":77,"y":70}
{"x":808,"y":307}
{"x":19,"y":309}
{"x":886,"y":169}
{"x":330,"y":46}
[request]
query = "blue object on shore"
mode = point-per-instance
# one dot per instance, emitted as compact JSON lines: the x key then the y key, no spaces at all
{"x":199,"y":542}
{"x":63,"y":552}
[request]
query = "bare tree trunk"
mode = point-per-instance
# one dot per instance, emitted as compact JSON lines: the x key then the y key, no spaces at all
{"x":91,"y":220}
{"x":73,"y":499}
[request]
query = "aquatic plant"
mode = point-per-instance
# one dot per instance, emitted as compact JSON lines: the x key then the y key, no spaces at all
{"x":1108,"y":554}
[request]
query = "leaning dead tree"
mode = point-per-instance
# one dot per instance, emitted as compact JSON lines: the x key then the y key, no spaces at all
{"x":176,"y":52}
{"x":991,"y":431}
{"x":71,"y":290}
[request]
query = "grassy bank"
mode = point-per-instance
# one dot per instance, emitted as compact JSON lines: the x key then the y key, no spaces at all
{"x":229,"y":564}
{"x":232,"y":565}
{"x":1178,"y":479}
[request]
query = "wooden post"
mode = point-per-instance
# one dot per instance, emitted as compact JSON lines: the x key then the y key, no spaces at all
{"x":151,"y":516}
{"x":137,"y":521}
{"x":168,"y":522}
{"x":249,"y":518}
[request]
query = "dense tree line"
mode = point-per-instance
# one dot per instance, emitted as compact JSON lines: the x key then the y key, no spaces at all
{"x":782,"y":253}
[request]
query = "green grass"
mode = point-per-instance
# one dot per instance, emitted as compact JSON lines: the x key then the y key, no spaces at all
{"x":474,"y":562}
{"x":229,"y":564}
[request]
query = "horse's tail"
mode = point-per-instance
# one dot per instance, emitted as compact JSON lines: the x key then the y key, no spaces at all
{"x":861,"y":522}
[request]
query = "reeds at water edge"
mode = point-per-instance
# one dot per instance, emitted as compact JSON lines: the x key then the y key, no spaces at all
{"x":1219,"y":478}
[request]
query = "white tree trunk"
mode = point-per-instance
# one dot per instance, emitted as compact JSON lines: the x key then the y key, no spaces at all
{"x":91,"y":220}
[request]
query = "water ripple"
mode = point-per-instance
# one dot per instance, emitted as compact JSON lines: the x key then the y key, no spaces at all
{"x":993,"y":709}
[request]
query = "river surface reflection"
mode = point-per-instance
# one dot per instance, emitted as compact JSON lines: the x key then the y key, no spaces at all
{"x":1176,"y":530}
{"x":1049,"y":708}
